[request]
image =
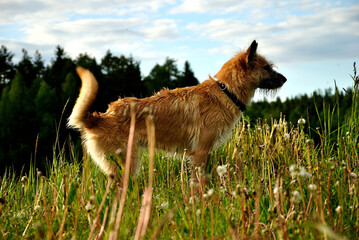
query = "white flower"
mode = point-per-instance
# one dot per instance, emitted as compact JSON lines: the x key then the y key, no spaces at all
{"x":23,"y":179}
{"x":293,"y":170}
{"x":312,"y":187}
{"x":338,"y":209}
{"x":37,"y":207}
{"x":234,"y":194}
{"x":221,"y":170}
{"x":209,"y":193}
{"x":295,"y":196}
{"x":353,"y":175}
{"x":164,"y":204}
{"x":89,"y":207}
{"x":198,"y":212}
{"x":301,"y":121}
{"x":286,"y":136}
{"x":303,"y":172}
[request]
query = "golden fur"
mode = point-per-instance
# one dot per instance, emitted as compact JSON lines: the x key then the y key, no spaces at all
{"x":198,"y":118}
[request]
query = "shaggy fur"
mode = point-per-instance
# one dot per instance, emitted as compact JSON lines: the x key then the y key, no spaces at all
{"x":198,"y":119}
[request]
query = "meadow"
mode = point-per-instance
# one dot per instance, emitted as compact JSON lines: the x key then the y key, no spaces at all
{"x":269,"y":181}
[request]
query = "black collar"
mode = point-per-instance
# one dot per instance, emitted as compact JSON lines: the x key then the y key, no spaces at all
{"x":233,"y":97}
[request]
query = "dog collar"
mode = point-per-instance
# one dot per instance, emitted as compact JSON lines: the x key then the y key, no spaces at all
{"x":233,"y":97}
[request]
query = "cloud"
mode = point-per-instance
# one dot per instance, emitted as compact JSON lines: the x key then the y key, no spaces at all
{"x":162,"y":29}
{"x":27,"y":12}
{"x":323,"y":35}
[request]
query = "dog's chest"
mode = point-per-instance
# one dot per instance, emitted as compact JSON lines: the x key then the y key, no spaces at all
{"x":225,"y":133}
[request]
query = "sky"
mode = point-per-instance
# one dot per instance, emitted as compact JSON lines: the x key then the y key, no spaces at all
{"x":312,"y":43}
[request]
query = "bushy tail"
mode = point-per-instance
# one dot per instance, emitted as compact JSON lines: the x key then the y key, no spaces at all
{"x":87,"y":96}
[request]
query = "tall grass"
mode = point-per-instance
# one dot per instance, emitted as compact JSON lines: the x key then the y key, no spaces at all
{"x":269,"y":181}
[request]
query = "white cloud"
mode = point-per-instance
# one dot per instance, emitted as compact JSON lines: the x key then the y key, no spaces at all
{"x":27,"y":12}
{"x":162,"y":29}
{"x":326,"y":34}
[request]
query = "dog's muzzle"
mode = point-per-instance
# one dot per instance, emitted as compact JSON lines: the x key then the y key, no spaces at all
{"x":275,"y":81}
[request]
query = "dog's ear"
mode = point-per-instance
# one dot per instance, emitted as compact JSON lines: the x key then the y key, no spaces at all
{"x":251,"y":52}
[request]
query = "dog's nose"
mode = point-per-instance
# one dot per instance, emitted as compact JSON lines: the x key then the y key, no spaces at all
{"x":284,"y":79}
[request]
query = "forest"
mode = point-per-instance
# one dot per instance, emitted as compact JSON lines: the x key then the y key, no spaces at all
{"x":36,"y":100}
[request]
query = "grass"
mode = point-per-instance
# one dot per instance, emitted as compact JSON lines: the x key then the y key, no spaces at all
{"x":269,"y":181}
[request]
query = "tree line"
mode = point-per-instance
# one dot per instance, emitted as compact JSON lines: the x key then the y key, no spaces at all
{"x":36,"y":99}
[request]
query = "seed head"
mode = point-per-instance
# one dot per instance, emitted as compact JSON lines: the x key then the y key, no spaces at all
{"x":295,"y":196}
{"x":221,"y":170}
{"x":312,"y":187}
{"x":301,"y":121}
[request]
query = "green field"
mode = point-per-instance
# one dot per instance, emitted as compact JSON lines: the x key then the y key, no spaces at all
{"x":269,"y":181}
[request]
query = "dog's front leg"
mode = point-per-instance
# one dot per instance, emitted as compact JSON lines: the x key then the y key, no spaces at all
{"x":200,"y":159}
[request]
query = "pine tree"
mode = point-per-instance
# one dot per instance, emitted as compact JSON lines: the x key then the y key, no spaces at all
{"x":7,"y":70}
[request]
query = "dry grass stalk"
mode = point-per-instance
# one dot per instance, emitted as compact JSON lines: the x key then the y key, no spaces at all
{"x":94,"y":224}
{"x":102,"y":229}
{"x":147,"y":196}
{"x":114,"y":234}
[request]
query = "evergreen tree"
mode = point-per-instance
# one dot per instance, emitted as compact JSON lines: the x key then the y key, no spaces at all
{"x":7,"y":70}
{"x":26,"y":68}
{"x":165,"y":75}
{"x":39,"y":65}
{"x":187,"y":77}
{"x":121,"y":77}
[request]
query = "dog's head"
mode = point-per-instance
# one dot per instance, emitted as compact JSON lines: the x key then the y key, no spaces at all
{"x":248,"y":71}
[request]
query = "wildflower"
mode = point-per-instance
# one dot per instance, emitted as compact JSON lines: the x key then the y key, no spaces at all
{"x":303,"y":172}
{"x":221,"y":170}
{"x":209,"y":193}
{"x":23,"y":179}
{"x":234,"y":194}
{"x":295,"y":196}
{"x":89,"y":207}
{"x":338,"y":209}
{"x":164,"y":205}
{"x":198,"y":212}
{"x":312,"y":187}
{"x":293,"y":170}
{"x":286,"y":136}
{"x":301,"y":121}
{"x":353,"y":175}
{"x":37,"y":207}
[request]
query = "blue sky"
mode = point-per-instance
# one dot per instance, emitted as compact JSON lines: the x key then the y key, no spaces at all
{"x":311,"y":42}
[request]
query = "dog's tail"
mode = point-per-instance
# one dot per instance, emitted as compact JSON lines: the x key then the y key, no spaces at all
{"x":87,"y":96}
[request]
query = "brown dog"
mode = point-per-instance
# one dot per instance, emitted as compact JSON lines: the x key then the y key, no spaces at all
{"x":198,"y":118}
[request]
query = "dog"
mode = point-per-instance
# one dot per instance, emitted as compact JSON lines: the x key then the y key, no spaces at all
{"x":197,"y":119}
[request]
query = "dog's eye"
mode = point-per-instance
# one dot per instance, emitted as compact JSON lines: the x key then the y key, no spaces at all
{"x":267,"y":68}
